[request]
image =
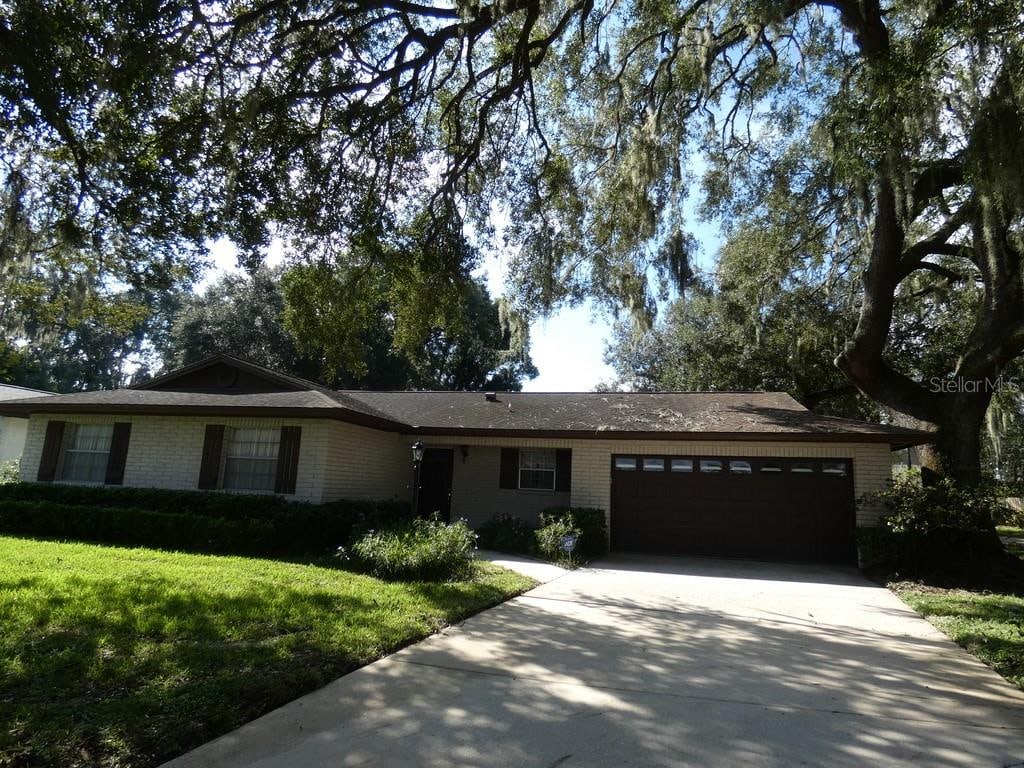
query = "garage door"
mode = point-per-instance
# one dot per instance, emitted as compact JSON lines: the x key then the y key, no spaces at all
{"x":763,"y":508}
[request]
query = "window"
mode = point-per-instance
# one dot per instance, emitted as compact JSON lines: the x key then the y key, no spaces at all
{"x":250,"y":462}
{"x":682,"y":465}
{"x":802,"y":467}
{"x":836,"y":468}
{"x":627,"y":463}
{"x":710,"y":465}
{"x":86,"y":450}
{"x":771,"y":466}
{"x":537,"y":470}
{"x":739,"y":467}
{"x":654,"y":465}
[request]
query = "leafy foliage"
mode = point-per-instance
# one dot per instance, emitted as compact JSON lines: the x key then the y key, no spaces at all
{"x":843,"y":137}
{"x":550,"y":537}
{"x":190,"y":520}
{"x":932,"y":526}
{"x":592,"y":524}
{"x":297,"y":320}
{"x":918,"y":508}
{"x":505,"y":533}
{"x":420,"y":550}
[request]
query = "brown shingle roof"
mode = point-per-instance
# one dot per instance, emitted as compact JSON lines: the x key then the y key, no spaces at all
{"x":297,"y":404}
{"x":662,"y":415}
{"x":661,"y":412}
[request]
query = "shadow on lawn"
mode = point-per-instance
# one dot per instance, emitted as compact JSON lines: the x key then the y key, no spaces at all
{"x":135,"y":670}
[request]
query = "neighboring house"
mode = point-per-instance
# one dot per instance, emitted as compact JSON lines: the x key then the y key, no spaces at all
{"x":13,"y":431}
{"x":747,"y":474}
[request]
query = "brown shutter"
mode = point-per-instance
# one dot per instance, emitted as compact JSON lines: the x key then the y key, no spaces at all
{"x":118,"y":453}
{"x":213,"y":448}
{"x":509,"y":477}
{"x":563,"y":469}
{"x":288,"y":459}
{"x":51,"y":451}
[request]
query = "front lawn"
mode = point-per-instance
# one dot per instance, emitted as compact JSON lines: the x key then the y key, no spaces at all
{"x":128,"y":657}
{"x":989,"y":624}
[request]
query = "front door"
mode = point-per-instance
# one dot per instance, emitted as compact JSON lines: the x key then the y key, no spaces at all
{"x":435,"y":493}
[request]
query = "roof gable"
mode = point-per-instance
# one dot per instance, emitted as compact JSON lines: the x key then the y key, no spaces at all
{"x":227,"y":375}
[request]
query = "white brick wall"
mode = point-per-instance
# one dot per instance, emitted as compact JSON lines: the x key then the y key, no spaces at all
{"x":363,"y":463}
{"x":475,"y":483}
{"x":339,"y":460}
{"x":165,"y":451}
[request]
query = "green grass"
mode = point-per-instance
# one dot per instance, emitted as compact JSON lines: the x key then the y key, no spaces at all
{"x":1013,"y":547}
{"x":989,"y":625}
{"x":128,"y":657}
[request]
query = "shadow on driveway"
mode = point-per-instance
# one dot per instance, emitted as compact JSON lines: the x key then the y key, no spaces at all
{"x":659,"y":661}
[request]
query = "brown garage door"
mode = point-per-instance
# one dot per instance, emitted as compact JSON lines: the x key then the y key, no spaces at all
{"x":763,"y":508}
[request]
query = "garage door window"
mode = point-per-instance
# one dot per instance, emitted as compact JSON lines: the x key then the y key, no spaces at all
{"x":537,"y":470}
{"x":682,"y":465}
{"x":802,"y":467}
{"x":710,"y":465}
{"x":739,"y":467}
{"x":654,"y":465}
{"x":834,"y":468}
{"x":625,"y":463}
{"x":771,"y":466}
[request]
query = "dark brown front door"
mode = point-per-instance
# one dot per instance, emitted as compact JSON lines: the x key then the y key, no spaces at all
{"x":760,"y":508}
{"x":435,"y":494}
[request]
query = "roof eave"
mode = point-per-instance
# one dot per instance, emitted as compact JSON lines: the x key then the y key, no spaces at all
{"x":336,"y":413}
{"x":896,"y":440}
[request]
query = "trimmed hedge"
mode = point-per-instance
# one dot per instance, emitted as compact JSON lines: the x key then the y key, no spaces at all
{"x":198,"y":521}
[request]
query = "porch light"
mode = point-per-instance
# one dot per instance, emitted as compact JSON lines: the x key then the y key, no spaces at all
{"x":417,"y":452}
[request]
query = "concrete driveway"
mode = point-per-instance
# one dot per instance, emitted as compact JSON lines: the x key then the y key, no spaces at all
{"x":646,"y":661}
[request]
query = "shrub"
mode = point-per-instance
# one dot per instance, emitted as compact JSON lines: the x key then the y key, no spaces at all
{"x":591,"y":524}
{"x":551,"y":538}
{"x":10,"y":471}
{"x":928,"y":526}
{"x":417,"y":550}
{"x":505,"y":533}
{"x":263,"y":524}
{"x":139,"y":527}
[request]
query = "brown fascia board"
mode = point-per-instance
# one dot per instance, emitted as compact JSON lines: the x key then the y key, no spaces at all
{"x":896,"y":440}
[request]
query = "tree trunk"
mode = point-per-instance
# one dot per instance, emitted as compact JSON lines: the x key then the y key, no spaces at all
{"x":956,"y":452}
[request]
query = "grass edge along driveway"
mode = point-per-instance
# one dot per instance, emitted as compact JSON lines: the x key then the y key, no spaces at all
{"x":128,"y":657}
{"x":987,"y":624}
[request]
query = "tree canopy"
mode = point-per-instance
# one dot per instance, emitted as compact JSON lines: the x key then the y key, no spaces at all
{"x":249,"y":316}
{"x":880,"y":140}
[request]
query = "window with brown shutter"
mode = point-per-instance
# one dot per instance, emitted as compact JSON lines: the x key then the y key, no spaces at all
{"x":51,"y":451}
{"x":118,"y":453}
{"x":213,"y":448}
{"x":509,"y":475}
{"x":288,"y":459}
{"x":563,"y":470}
